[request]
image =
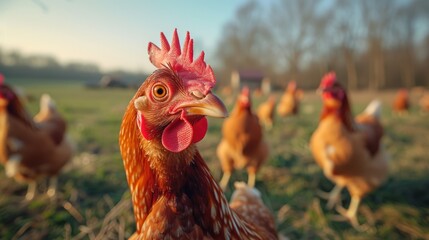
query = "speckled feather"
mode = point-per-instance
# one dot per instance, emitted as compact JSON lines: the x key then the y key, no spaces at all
{"x":203,"y":209}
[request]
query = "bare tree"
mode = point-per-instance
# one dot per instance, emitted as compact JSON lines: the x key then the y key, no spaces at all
{"x":349,"y":34}
{"x":376,"y":17}
{"x":376,"y":43}
{"x":245,"y":41}
{"x":425,"y":60}
{"x":298,"y":28}
{"x":405,"y":28}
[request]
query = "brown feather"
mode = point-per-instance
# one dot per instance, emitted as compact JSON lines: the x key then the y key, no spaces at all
{"x":289,"y":102}
{"x":174,"y":195}
{"x":401,"y":103}
{"x":40,"y":155}
{"x":242,"y":145}
{"x":358,"y":160}
{"x":266,"y":112}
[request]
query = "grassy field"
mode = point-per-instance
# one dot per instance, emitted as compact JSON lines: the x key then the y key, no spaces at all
{"x":93,"y":201}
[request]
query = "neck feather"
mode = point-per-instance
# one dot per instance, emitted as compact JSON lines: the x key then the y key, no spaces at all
{"x":343,"y":113}
{"x":16,"y":109}
{"x":149,"y":175}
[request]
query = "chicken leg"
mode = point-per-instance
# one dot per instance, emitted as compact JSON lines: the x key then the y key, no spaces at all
{"x":31,"y":191}
{"x":32,"y":187}
{"x":52,"y":189}
{"x":333,"y":197}
{"x":225,"y":179}
{"x":251,"y":179}
{"x":350,"y":214}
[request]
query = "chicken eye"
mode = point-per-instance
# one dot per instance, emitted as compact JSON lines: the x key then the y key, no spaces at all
{"x":159,"y":92}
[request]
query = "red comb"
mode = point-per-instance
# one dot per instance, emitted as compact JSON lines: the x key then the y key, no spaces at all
{"x":193,"y":73}
{"x":328,"y":80}
{"x":1,"y":79}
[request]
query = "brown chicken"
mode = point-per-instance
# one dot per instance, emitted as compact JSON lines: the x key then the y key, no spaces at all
{"x":242,"y":145}
{"x":424,"y":102}
{"x":349,"y":150}
{"x":247,"y":202}
{"x":401,"y":103}
{"x":289,"y":102}
{"x":173,"y":193}
{"x":266,"y":112}
{"x":29,"y":149}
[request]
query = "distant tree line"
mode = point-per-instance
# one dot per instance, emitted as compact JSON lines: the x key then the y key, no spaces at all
{"x":14,"y":64}
{"x":370,"y":44}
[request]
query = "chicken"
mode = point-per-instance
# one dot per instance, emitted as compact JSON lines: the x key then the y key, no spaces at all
{"x":349,"y":150}
{"x":242,"y":145}
{"x":173,"y":192}
{"x":424,"y":103}
{"x":401,"y":104}
{"x":247,"y":202}
{"x":289,"y":102}
{"x":31,"y":150}
{"x":266,"y":112}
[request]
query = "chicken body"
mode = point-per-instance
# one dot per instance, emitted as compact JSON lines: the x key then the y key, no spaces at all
{"x":266,"y":112}
{"x":349,"y":150}
{"x":173,"y":193}
{"x":242,"y":145}
{"x":289,"y":102}
{"x":424,"y":102}
{"x":31,"y":150}
{"x":247,"y":203}
{"x":401,"y":104}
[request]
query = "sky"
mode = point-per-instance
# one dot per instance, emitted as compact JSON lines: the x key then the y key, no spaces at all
{"x":110,"y":33}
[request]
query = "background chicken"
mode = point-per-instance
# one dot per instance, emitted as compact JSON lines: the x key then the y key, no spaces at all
{"x":401,"y":104}
{"x":289,"y":101}
{"x":266,"y":112}
{"x":242,"y":145}
{"x":424,"y":102}
{"x":31,"y":149}
{"x":349,"y":151}
{"x":173,"y":193}
{"x":247,"y":202}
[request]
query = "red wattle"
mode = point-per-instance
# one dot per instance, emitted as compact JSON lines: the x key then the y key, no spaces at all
{"x":143,"y":127}
{"x":200,"y":129}
{"x":180,"y":133}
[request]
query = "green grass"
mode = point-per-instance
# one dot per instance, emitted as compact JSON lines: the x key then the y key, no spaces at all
{"x":93,"y":196}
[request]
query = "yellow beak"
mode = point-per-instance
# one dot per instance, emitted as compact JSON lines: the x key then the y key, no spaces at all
{"x":210,"y":105}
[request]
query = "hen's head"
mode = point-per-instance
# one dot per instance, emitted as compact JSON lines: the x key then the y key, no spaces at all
{"x":244,"y":100}
{"x":173,"y":101}
{"x":403,"y":93}
{"x":8,"y":96}
{"x":291,"y":86}
{"x":10,"y":102}
{"x":6,"y":93}
{"x":335,"y":99}
{"x":333,"y":93}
